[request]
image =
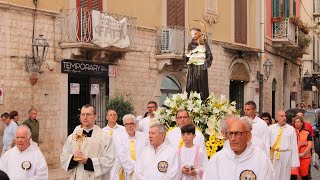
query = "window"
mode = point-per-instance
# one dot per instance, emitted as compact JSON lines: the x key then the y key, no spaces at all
{"x":282,"y":8}
{"x":90,"y":4}
{"x":240,"y":24}
{"x":294,"y":5}
{"x":175,"y":13}
{"x":169,"y":86}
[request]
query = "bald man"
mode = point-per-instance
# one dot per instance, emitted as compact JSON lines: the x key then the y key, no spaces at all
{"x":25,"y":160}
{"x":239,"y":159}
{"x":284,"y":150}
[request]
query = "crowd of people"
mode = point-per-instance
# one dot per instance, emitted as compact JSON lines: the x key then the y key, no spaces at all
{"x":255,"y":148}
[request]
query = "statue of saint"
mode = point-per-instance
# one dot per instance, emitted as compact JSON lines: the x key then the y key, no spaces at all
{"x":199,"y":59}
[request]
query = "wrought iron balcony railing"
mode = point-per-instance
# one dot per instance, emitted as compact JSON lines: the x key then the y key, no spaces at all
{"x":285,"y":31}
{"x":77,"y":25}
{"x":174,"y":40}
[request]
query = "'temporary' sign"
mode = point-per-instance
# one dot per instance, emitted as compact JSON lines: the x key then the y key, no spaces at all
{"x":83,"y":67}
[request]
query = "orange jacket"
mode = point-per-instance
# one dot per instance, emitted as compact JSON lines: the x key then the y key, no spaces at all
{"x":303,"y":142}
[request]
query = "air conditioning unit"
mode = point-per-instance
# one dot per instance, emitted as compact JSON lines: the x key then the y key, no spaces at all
{"x":165,"y":40}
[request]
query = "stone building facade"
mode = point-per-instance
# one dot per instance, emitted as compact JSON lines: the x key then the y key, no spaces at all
{"x":140,"y":69}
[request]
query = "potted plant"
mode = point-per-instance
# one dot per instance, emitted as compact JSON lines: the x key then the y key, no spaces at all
{"x":304,"y":41}
{"x":120,"y":105}
{"x":277,"y":19}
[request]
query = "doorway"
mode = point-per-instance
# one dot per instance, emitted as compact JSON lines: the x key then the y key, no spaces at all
{"x":86,"y":89}
{"x":236,"y":93}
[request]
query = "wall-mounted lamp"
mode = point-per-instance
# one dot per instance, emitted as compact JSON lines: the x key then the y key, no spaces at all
{"x":33,"y":64}
{"x":40,"y":48}
{"x":267,"y":67}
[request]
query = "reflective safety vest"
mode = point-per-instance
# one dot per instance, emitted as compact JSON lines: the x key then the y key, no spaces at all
{"x":303,"y":142}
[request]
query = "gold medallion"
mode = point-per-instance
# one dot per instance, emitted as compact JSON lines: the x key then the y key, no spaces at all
{"x":248,"y":175}
{"x":163,"y":166}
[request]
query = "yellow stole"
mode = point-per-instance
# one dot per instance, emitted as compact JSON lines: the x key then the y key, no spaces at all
{"x":133,"y":157}
{"x":276,"y":146}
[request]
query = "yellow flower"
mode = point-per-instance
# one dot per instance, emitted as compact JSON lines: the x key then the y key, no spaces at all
{"x":208,"y":143}
{"x":212,"y":138}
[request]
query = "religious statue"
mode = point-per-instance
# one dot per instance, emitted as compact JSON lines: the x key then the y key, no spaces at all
{"x":199,"y":59}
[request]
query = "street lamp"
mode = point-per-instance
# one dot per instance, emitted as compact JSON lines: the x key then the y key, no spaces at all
{"x":33,"y":64}
{"x":40,"y":48}
{"x":267,"y":67}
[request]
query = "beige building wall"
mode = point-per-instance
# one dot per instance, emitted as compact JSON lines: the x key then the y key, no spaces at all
{"x":55,"y":5}
{"x":19,"y":94}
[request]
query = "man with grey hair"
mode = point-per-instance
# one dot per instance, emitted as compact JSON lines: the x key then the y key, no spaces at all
{"x":129,"y":147}
{"x":160,"y":160}
{"x":33,"y":124}
{"x":240,"y":158}
{"x":25,"y":160}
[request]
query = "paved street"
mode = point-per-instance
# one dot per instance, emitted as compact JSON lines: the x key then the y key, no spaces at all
{"x":315,"y":173}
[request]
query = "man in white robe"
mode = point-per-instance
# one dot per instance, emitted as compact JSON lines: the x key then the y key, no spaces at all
{"x":239,"y":159}
{"x":158,"y":161}
{"x":130,"y":146}
{"x":96,"y":155}
{"x":24,"y":161}
{"x":259,"y":127}
{"x":174,"y":136}
{"x":284,"y":151}
{"x":113,"y":129}
{"x":145,"y":123}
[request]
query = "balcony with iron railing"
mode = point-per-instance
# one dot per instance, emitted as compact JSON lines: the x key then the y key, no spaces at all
{"x":291,"y":36}
{"x":171,"y":43}
{"x":284,"y":32}
{"x":80,"y":26}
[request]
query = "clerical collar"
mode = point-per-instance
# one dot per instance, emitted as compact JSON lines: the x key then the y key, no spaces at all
{"x":88,"y":134}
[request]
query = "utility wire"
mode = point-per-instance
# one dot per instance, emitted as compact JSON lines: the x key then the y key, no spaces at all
{"x":305,"y":10}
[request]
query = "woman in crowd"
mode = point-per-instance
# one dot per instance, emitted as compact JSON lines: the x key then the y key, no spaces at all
{"x":305,"y":144}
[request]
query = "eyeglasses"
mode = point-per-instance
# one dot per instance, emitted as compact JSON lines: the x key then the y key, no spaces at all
{"x":236,"y":134}
{"x":129,"y":124}
{"x":183,"y":117}
{"x":86,"y":114}
{"x":150,"y":107}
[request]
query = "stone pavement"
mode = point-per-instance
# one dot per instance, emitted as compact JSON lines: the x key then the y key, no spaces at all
{"x":57,"y":174}
{"x":315,"y":173}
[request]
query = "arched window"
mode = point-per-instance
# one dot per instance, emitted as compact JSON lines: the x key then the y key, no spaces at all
{"x":169,"y":86}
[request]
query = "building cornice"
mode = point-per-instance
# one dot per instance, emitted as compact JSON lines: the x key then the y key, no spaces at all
{"x":21,"y":8}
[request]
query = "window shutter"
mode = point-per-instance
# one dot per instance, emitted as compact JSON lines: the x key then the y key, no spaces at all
{"x":180,"y":13}
{"x":97,"y":5}
{"x":294,"y":5}
{"x":240,"y":21}
{"x":286,"y":8}
{"x":275,"y":8}
{"x":175,"y":13}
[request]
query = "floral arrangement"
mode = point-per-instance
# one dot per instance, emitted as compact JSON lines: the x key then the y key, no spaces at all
{"x":205,"y":115}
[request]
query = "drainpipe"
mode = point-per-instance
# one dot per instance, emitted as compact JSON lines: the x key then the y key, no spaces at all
{"x":262,"y":42}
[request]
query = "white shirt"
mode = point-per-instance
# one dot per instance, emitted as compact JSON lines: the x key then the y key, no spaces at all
{"x":226,"y":165}
{"x":12,"y":160}
{"x":194,"y":157}
{"x":160,"y":164}
{"x":115,"y":130}
{"x":8,"y":135}
{"x":174,"y":138}
{"x":144,"y":125}
{"x":123,"y":150}
{"x":260,"y":130}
